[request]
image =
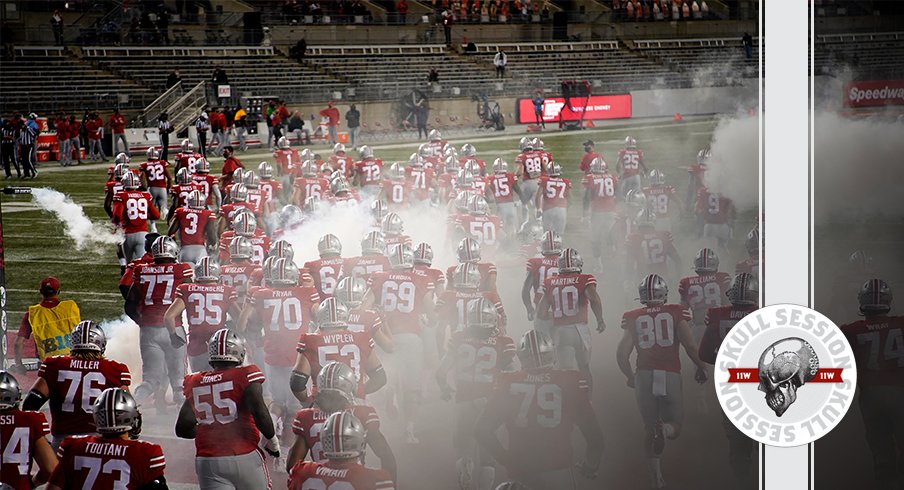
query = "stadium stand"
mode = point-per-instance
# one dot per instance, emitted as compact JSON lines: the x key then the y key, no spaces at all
{"x":707,"y":62}
{"x":878,"y":54}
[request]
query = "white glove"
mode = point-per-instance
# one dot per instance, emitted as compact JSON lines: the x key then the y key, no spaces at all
{"x":272,"y":446}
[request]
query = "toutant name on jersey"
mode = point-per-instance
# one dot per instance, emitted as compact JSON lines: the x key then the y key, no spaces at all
{"x":106,"y":449}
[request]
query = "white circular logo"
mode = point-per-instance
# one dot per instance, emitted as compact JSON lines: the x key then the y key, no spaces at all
{"x":785,"y":375}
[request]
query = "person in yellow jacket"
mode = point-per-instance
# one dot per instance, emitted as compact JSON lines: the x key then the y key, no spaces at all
{"x":50,"y":322}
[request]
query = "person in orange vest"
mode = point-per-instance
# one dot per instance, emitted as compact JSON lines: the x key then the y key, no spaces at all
{"x":50,"y":322}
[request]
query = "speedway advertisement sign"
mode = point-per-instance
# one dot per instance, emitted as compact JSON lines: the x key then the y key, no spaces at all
{"x":868,"y":93}
{"x":598,"y":107}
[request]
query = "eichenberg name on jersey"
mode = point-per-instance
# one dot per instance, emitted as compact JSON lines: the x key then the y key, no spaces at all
{"x":874,"y":92}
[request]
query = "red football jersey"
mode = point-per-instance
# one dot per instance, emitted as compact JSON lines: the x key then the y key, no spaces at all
{"x":180,"y":193}
{"x":715,"y":208}
{"x":237,"y":275}
{"x":486,"y":269}
{"x":601,"y":188}
{"x":420,"y":181}
{"x":650,"y":250}
{"x":435,"y":275}
{"x":400,"y":295}
{"x":397,"y":193}
{"x":258,"y":200}
{"x":326,"y":274}
{"x":347,"y":199}
{"x":225,"y":425}
{"x":350,"y":348}
{"x":207,"y":183}
{"x":155,"y":172}
{"x":540,"y":269}
{"x":452,"y":306}
{"x":464,"y":161}
{"x":878,"y":344}
{"x":587,"y":159}
{"x":284,"y":313}
{"x":342,"y":163}
{"x":478,"y":363}
{"x":112,"y":187}
{"x":702,"y":292}
{"x":531,"y":165}
{"x":503,"y":187}
{"x":288,"y":160}
{"x":192,"y":223}
{"x":555,"y":191}
{"x":157,"y":285}
{"x":311,"y":186}
{"x":309,"y":422}
{"x":445,"y":184}
{"x":270,"y":188}
{"x":391,"y":240}
{"x":630,"y":160}
{"x":370,"y":171}
{"x":73,"y":386}
{"x":479,"y":185}
{"x":361,"y":320}
{"x":19,"y":434}
{"x":363,"y":266}
{"x":437,"y":147}
{"x":568,"y":293}
{"x":348,"y":475}
{"x":133,"y":209}
{"x":260,"y":245}
{"x":719,"y":321}
{"x":697,"y":172}
{"x":655,"y":336}
{"x":187,"y":160}
{"x":483,"y":228}
{"x":101,"y":462}
{"x":540,"y":408}
{"x":205,"y":306}
{"x":659,"y":199}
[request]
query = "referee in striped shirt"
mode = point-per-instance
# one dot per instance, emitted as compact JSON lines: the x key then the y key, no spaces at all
{"x":27,"y":136}
{"x":164,"y":128}
{"x":8,"y":149}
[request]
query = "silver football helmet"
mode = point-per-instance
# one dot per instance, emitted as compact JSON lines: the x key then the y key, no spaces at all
{"x":570,"y":261}
{"x":196,"y":200}
{"x":251,"y":180}
{"x":435,"y":135}
{"x":373,"y":244}
{"x":329,"y":246}
{"x":397,"y":172}
{"x":238,"y":192}
{"x":526,"y":144}
{"x":653,"y":290}
{"x":313,"y":205}
{"x":875,"y":297}
{"x":281,"y":249}
{"x":202,"y":166}
{"x":225,"y":346}
{"x":366,"y":152}
{"x":706,"y":261}
{"x":343,"y":436}
{"x":282,"y":143}
{"x":152,"y":153}
{"x":240,"y":248}
{"x":336,"y":387}
{"x":478,"y":206}
{"x":183,"y":176}
{"x":207,"y":271}
{"x":331,"y":314}
{"x":468,"y":150}
{"x":284,"y":273}
{"x":309,"y":168}
{"x":88,"y":336}
{"x":9,"y":391}
{"x":392,"y":224}
{"x":120,"y":170}
{"x":551,"y":243}
{"x":130,"y":181}
{"x":122,"y":158}
{"x":338,"y":148}
{"x":423,"y":254}
{"x":468,"y":250}
{"x":186,"y":146}
{"x":350,"y":291}
{"x":657,"y":177}
{"x":164,"y":247}
{"x":554,"y":169}
{"x":401,"y":257}
{"x":244,"y":224}
{"x":630,"y":142}
{"x":536,"y":350}
{"x":116,"y":412}
{"x":598,"y":166}
{"x":482,"y":315}
{"x":466,"y":276}
{"x":500,"y":166}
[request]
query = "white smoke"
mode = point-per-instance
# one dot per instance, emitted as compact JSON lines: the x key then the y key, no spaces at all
{"x":734,"y":167}
{"x":122,"y":344}
{"x":79,"y":228}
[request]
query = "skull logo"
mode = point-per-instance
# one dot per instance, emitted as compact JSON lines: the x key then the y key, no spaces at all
{"x":784,"y":367}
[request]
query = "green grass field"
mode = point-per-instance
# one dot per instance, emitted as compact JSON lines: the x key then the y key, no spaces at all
{"x":36,"y":244}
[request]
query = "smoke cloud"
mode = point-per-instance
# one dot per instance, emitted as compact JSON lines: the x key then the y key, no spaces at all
{"x":122,"y":344}
{"x":733,"y":166}
{"x":84,"y":232}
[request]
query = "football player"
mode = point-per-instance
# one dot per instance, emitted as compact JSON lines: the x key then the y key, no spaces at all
{"x":154,"y":289}
{"x":590,"y":154}
{"x":327,"y":270}
{"x":372,"y":259}
{"x":650,"y":250}
{"x":436,"y":144}
{"x":469,"y":160}
{"x":180,"y":191}
{"x":187,"y":157}
{"x":157,"y":180}
{"x":23,"y":434}
{"x":876,"y":340}
{"x":287,"y":158}
{"x":528,"y":169}
{"x":469,"y":251}
{"x":336,"y":387}
{"x":350,"y":292}
{"x":744,"y":298}
{"x":255,"y":195}
{"x":540,"y":406}
{"x":341,"y":161}
{"x":245,"y":225}
{"x":342,"y":194}
{"x":630,"y":166}
{"x":112,"y":187}
{"x":662,"y":199}
{"x":565,"y":300}
{"x":283,"y":310}
{"x":395,"y":189}
{"x":114,"y":458}
{"x":452,"y":305}
{"x":705,"y":290}
{"x":545,"y":156}
{"x":271,"y":189}
{"x":368,"y":172}
{"x":751,"y":264}
{"x":503,"y":185}
{"x":394,"y":231}
{"x":209,"y":183}
{"x":717,"y":214}
{"x":479,"y":340}
{"x":656,"y":330}
{"x":239,"y":270}
{"x":343,"y":439}
{"x":309,"y":184}
{"x":599,"y":205}
{"x":333,"y":341}
{"x":481,"y":226}
{"x":238,"y":200}
{"x":206,"y":302}
{"x":552,"y":199}
{"x":420,"y":178}
{"x":225,"y":413}
{"x":423,"y":260}
{"x":529,"y":236}
{"x":539,"y":269}
{"x":196,"y":227}
{"x":696,"y":174}
{"x":133,"y":210}
{"x":405,"y":296}
{"x":71,"y":383}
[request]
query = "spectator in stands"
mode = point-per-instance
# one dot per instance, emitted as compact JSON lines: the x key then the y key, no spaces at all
{"x":500,"y":61}
{"x":676,"y":12}
{"x":75,"y":130}
{"x":203,"y":126}
{"x":704,"y":9}
{"x":421,"y":115}
{"x":164,"y":128}
{"x":432,"y":77}
{"x":118,"y":130}
{"x":657,"y":12}
{"x":538,"y":100}
{"x":353,"y":120}
{"x":447,"y":21}
{"x":56,"y":25}
{"x":173,"y":79}
{"x":297,"y":51}
{"x":95,"y":128}
{"x":296,"y":126}
{"x":545,"y":14}
{"x":163,"y":18}
{"x":8,"y":149}
{"x":685,"y":11}
{"x":747,"y":41}
{"x":402,"y":10}
{"x":241,"y":126}
{"x":332,"y":115}
{"x":61,"y":125}
{"x":695,"y":10}
{"x":315,"y":11}
{"x":217,"y":78}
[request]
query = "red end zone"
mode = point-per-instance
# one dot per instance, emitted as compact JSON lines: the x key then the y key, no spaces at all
{"x":598,"y":107}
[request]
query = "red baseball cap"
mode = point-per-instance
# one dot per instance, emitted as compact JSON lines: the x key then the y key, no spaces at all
{"x":330,"y":103}
{"x":50,"y":285}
